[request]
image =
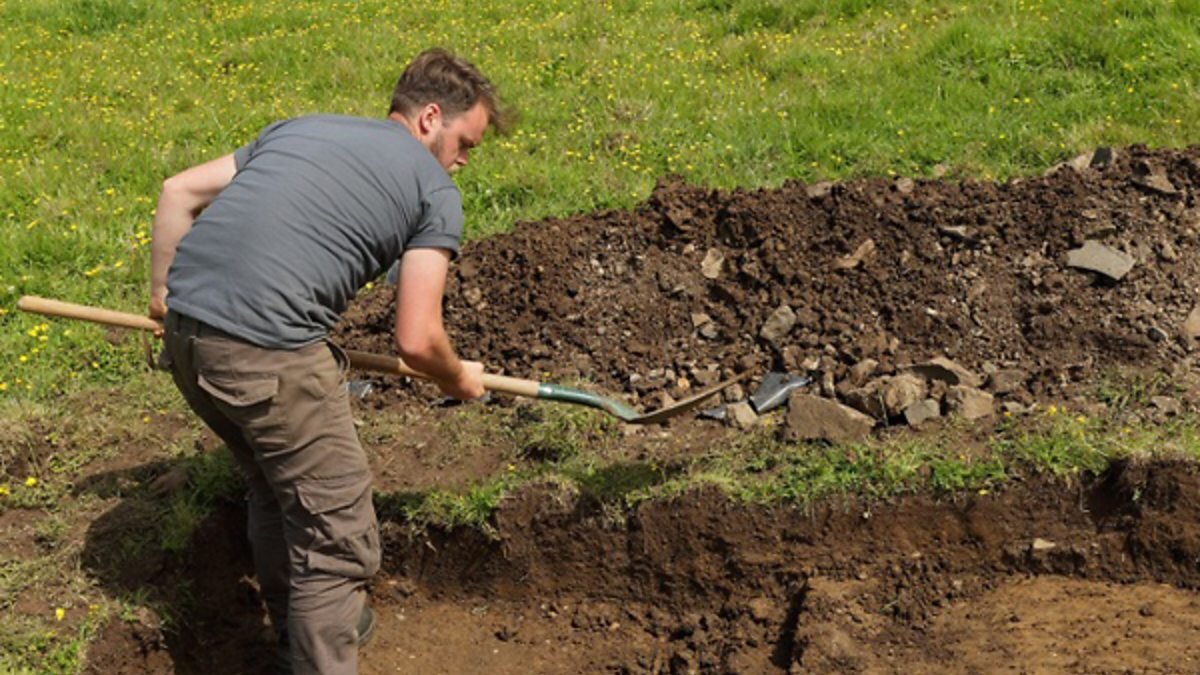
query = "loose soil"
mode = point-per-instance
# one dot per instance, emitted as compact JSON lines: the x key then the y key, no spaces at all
{"x":1095,"y":576}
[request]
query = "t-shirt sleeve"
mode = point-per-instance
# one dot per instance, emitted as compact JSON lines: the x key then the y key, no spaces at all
{"x":244,"y":153}
{"x":441,"y":223}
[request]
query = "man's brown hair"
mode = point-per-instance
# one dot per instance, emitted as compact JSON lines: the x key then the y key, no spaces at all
{"x":437,"y":76}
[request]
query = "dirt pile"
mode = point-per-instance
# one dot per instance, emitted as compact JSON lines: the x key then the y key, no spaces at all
{"x":1034,"y":287}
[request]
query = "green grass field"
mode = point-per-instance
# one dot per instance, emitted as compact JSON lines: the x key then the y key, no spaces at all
{"x":103,"y":99}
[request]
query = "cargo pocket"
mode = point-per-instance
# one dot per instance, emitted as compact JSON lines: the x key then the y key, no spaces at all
{"x":239,"y":391}
{"x":345,"y":535}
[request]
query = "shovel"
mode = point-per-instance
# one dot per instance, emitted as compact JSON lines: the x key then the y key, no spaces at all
{"x":394,"y":366}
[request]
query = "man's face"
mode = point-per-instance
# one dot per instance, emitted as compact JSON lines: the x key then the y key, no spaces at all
{"x":450,"y":140}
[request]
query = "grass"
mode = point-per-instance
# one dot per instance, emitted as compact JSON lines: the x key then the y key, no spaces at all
{"x":103,"y":99}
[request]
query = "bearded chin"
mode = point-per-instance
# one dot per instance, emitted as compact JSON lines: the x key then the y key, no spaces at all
{"x":436,"y":145}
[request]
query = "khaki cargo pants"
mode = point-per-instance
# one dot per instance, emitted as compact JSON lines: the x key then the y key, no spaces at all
{"x":285,"y":415}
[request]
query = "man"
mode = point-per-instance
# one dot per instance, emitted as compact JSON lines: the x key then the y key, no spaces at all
{"x":257,"y":253}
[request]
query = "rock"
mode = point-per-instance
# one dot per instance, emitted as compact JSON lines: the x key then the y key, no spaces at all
{"x":970,"y":403}
{"x":1166,"y":405}
{"x":856,"y":258}
{"x":733,"y":393}
{"x":1153,"y":178}
{"x":714,"y":259}
{"x":944,"y":370}
{"x":1013,"y":408}
{"x":1096,"y":257}
{"x":939,"y":170}
{"x":901,"y":391}
{"x":922,"y":411}
{"x":1191,"y":326}
{"x":762,"y":610}
{"x":819,"y":190}
{"x":1168,"y":252}
{"x":709,"y":331}
{"x":1081,"y":162}
{"x":740,"y":415}
{"x":699,"y":319}
{"x":1040,"y":544}
{"x":662,"y":400}
{"x":904,"y":185}
{"x":861,"y":371}
{"x":813,"y":418}
{"x":1102,"y":157}
{"x":827,"y":386}
{"x":778,"y":325}
{"x":1007,"y":380}
{"x":868,"y":399}
{"x":473,"y":296}
{"x":957,"y":232}
{"x":707,"y":376}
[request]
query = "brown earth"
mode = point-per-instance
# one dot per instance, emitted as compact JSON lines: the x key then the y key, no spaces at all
{"x":975,"y":271}
{"x":1094,"y":577}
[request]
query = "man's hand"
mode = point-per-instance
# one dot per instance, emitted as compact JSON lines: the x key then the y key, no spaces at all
{"x":157,"y":311}
{"x":469,"y":383}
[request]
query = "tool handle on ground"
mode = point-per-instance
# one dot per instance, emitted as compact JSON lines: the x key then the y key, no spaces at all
{"x":362,"y":360}
{"x":70,"y":310}
{"x":390,"y":364}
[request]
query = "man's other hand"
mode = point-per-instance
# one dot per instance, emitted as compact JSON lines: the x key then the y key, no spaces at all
{"x":469,"y":383}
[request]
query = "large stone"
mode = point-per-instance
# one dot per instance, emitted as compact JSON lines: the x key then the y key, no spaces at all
{"x":740,"y":415}
{"x":1191,"y":326}
{"x":970,"y":403}
{"x":778,"y":325}
{"x":1154,"y":178}
{"x":868,"y":399}
{"x":922,"y":411}
{"x":814,"y":418}
{"x":861,"y":371}
{"x":944,"y":370}
{"x":1096,"y":257}
{"x":901,"y":391}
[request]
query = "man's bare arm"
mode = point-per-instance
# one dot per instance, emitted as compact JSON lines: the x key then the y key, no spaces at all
{"x":421,"y":336}
{"x":183,"y":197}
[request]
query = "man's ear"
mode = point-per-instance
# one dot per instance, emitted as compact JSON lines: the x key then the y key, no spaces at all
{"x":428,"y":118}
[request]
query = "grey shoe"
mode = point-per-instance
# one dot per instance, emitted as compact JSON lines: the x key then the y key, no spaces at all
{"x":281,"y":662}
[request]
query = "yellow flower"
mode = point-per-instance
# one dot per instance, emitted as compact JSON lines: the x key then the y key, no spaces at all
{"x":30,"y":481}
{"x":3,"y":490}
{"x":59,"y":613}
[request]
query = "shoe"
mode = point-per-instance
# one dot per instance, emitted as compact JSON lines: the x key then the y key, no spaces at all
{"x":281,"y":663}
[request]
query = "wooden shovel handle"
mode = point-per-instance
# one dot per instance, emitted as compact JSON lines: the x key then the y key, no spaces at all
{"x":70,"y":310}
{"x":361,"y":360}
{"x":395,"y":366}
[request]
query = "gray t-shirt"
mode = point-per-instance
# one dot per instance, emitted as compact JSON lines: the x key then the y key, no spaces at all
{"x":319,"y":207}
